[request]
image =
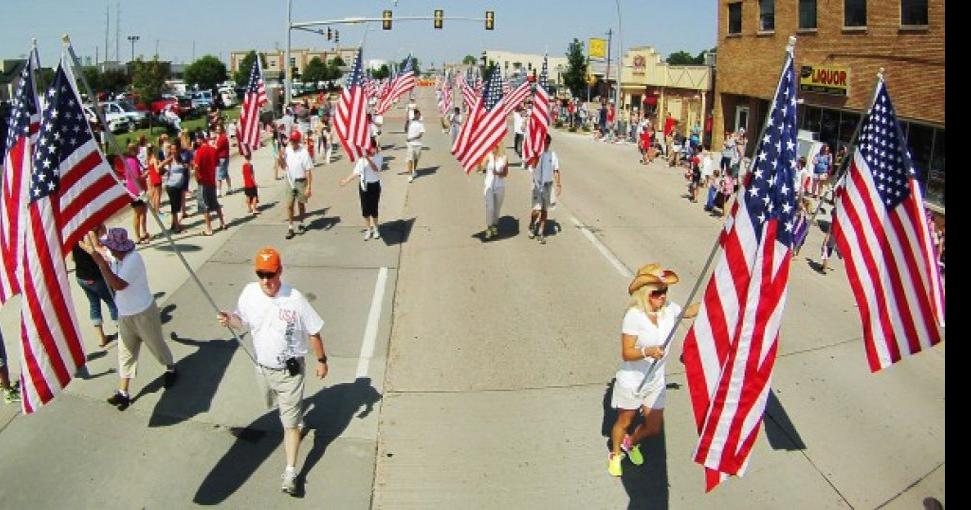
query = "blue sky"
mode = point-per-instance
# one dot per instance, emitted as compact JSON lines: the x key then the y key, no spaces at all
{"x":220,"y":26}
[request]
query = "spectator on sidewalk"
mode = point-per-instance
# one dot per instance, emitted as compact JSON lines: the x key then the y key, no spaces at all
{"x":222,"y":161}
{"x":136,"y":183}
{"x":176,"y":178}
{"x":204,"y":164}
{"x":93,"y":284}
{"x":251,"y":197}
{"x":281,"y":321}
{"x":138,"y":315}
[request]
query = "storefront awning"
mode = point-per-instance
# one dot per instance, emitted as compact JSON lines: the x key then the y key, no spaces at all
{"x":650,"y":100}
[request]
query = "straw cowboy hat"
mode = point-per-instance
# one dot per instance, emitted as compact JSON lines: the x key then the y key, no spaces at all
{"x":652,"y":274}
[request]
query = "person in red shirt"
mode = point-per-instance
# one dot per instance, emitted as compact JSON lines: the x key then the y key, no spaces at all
{"x":222,"y":165}
{"x":249,"y":186}
{"x":204,"y":165}
{"x":645,"y":146}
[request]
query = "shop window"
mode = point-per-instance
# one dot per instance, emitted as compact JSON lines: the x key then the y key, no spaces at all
{"x":854,"y":13}
{"x":766,"y":15}
{"x":735,"y":18}
{"x":920,"y":140}
{"x":913,"y":12}
{"x":809,"y":121}
{"x":848,"y":122}
{"x":807,"y":14}
{"x":829,"y":123}
{"x":934,"y":188}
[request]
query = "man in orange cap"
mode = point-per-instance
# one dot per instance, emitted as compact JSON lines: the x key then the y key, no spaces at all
{"x":297,"y":165}
{"x":281,"y":321}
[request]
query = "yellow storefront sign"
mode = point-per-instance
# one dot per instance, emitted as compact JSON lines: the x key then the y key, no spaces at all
{"x":598,"y":48}
{"x":825,"y":80}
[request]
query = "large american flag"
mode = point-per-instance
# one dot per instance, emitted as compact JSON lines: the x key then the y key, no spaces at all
{"x":400,"y":85}
{"x":351,"y":119}
{"x":486,"y":129}
{"x":880,"y":228}
{"x":71,"y":190}
{"x":730,"y":349}
{"x":22,"y":127}
{"x":249,"y":116}
{"x":539,"y":122}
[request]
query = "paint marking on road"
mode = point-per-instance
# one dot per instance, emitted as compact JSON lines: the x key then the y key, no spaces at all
{"x":371,"y":330}
{"x":618,"y":265}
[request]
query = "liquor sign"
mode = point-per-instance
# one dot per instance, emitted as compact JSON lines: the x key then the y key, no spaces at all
{"x":825,"y":80}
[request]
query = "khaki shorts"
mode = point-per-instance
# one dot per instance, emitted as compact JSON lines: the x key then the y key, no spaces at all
{"x":414,"y":153}
{"x":541,"y":197}
{"x":284,"y":392}
{"x":297,"y":193}
{"x":653,"y":397}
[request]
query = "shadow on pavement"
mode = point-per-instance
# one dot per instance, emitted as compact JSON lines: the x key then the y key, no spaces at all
{"x":165,"y":246}
{"x":552,"y":228}
{"x":330,"y":412}
{"x":508,"y":228}
{"x":422,"y":172}
{"x":646,"y":485}
{"x":324,"y":223}
{"x":199,"y":376}
{"x":396,"y":232}
{"x":779,"y":430}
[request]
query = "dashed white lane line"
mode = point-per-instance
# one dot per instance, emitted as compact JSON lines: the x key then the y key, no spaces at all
{"x":618,"y":265}
{"x":371,"y":330}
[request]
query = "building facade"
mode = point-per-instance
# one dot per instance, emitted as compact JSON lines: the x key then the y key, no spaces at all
{"x":515,"y":65}
{"x":300,"y":57}
{"x":841,"y":45}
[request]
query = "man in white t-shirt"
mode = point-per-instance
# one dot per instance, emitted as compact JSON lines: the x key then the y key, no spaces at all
{"x":519,"y":130}
{"x":416,"y":128}
{"x":545,"y":171}
{"x":138,"y":315}
{"x":412,"y":109}
{"x":281,"y":321}
{"x":298,"y":167}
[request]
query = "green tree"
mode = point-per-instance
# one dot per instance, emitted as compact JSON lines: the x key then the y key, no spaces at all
{"x":337,"y":61}
{"x":334,"y":68}
{"x":575,"y":76}
{"x":381,"y":73}
{"x":207,"y":72}
{"x":114,"y":80}
{"x":683,"y":58}
{"x":315,"y":70}
{"x":468,"y":60}
{"x":241,"y":77}
{"x":93,"y":76}
{"x":148,"y":81}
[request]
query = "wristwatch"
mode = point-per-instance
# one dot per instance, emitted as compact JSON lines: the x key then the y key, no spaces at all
{"x":322,"y":359}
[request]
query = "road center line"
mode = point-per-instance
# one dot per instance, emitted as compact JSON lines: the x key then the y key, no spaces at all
{"x":618,"y":265}
{"x":371,"y":330}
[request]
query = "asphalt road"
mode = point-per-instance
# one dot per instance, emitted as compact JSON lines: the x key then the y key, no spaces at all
{"x":471,"y":373}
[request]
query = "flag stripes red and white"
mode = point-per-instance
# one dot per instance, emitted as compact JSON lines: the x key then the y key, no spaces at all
{"x":249,"y":115}
{"x":880,"y":228}
{"x":400,"y":85}
{"x":730,"y":349}
{"x":469,"y":95}
{"x":538,"y":127}
{"x":350,"y":122}
{"x":517,"y":96}
{"x":489,"y":127}
{"x":445,"y":104}
{"x":23,"y":125}
{"x":72,"y":189}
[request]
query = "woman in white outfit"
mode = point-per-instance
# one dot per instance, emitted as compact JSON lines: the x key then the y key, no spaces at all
{"x":367,"y":169}
{"x":649,"y":319}
{"x":496,"y":170}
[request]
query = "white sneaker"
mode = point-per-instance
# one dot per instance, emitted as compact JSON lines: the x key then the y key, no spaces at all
{"x":411,"y":178}
{"x":367,"y":234}
{"x":289,"y":481}
{"x":375,"y":234}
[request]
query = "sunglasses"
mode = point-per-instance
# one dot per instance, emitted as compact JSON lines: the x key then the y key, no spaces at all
{"x":265,"y":275}
{"x":659,"y":293}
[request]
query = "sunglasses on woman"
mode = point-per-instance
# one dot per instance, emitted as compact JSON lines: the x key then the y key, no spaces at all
{"x":659,"y":293}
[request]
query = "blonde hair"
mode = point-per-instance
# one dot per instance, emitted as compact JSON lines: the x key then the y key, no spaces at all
{"x":639,"y":300}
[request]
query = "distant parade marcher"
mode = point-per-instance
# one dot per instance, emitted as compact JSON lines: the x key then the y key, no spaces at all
{"x":297,"y":166}
{"x":368,"y":172}
{"x":519,"y":130}
{"x":281,"y":322}
{"x":415,"y":131}
{"x":648,"y":320}
{"x":497,"y":168}
{"x":545,"y":171}
{"x":454,"y":121}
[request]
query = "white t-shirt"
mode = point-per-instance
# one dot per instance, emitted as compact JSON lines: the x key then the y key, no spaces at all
{"x":280,"y":325}
{"x":707,"y":166}
{"x":517,"y":123}
{"x":298,"y":162}
{"x":411,"y":110}
{"x":416,"y":128}
{"x":631,"y":373}
{"x":493,"y":165}
{"x":362,"y":166}
{"x":543,"y":172}
{"x":136,"y":297}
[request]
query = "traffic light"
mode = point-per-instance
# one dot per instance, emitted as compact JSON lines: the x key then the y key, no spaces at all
{"x":337,"y":36}
{"x":490,"y":20}
{"x":386,"y":20}
{"x":439,"y":15}
{"x":330,"y":36}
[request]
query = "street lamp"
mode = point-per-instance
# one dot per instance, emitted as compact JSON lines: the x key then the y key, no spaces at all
{"x":132,"y":39}
{"x":620,"y":56}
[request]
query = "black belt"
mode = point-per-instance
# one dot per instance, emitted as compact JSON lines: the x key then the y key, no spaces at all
{"x":302,"y":179}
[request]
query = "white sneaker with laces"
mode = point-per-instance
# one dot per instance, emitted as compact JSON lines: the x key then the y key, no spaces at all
{"x":367,"y":234}
{"x":289,"y":477}
{"x":375,"y":234}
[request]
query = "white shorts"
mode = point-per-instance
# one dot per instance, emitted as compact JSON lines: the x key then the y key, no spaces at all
{"x":623,"y":397}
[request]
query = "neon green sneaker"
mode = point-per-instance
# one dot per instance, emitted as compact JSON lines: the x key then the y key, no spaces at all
{"x":613,"y":464}
{"x":633,"y":451}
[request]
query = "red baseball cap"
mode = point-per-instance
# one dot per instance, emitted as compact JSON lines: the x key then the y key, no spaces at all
{"x":295,"y":136}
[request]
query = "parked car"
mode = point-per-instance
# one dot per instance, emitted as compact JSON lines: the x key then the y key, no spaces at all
{"x":117,"y":122}
{"x":201,"y":99}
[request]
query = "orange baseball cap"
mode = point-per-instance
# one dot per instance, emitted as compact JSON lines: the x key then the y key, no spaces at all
{"x":267,"y":259}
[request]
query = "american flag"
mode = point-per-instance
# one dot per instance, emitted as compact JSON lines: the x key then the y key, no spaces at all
{"x":488,"y":128}
{"x":249,"y":116}
{"x":400,"y":85}
{"x":445,"y":103}
{"x":351,"y":119}
{"x":469,"y":92}
{"x":730,"y":349}
{"x":71,"y":190}
{"x":517,"y":96}
{"x":370,"y":86}
{"x":23,"y":124}
{"x":539,"y":122}
{"x":880,"y":227}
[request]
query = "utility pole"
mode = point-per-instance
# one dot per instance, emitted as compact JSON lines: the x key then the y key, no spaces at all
{"x":610,"y":34}
{"x":132,"y":39}
{"x":107,"y":25}
{"x":156,"y":49}
{"x":193,"y":50}
{"x":118,"y":31}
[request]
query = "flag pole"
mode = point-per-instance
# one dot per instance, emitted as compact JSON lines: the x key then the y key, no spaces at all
{"x":714,"y":250}
{"x":111,"y":138}
{"x":841,"y":171}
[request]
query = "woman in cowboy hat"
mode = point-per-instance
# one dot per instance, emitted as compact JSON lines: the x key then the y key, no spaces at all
{"x":649,"y":319}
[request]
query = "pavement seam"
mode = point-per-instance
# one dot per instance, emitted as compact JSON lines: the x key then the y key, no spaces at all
{"x":911,"y":486}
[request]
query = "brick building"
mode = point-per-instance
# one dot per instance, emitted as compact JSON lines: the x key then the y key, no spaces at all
{"x":299,"y":56}
{"x":841,"y":45}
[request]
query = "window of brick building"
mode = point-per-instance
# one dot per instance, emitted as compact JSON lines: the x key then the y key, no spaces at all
{"x":766,"y":15}
{"x":854,"y":13}
{"x":913,"y":12}
{"x":807,"y":14}
{"x":735,"y":18}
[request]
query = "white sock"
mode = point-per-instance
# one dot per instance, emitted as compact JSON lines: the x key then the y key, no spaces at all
{"x":291,"y":469}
